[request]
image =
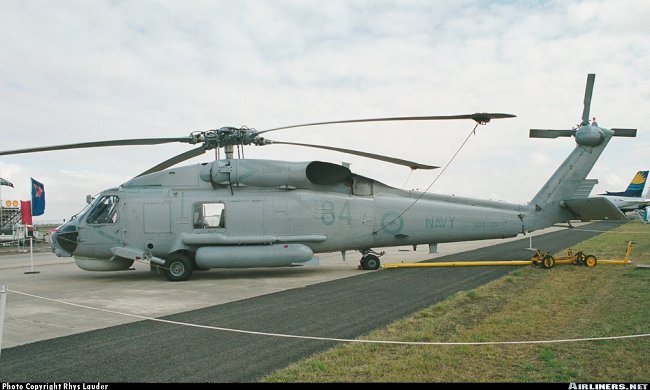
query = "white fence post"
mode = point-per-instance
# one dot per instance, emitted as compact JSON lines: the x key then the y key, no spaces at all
{"x":3,"y":304}
{"x":31,"y":258}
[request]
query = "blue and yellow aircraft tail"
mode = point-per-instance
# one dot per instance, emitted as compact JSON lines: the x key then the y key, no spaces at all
{"x":635,"y":189}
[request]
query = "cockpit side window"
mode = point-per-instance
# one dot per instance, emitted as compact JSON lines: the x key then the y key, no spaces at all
{"x":209,"y":215}
{"x":104,"y":211}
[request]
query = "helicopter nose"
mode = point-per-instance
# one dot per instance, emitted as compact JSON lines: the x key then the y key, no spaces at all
{"x":64,"y":241}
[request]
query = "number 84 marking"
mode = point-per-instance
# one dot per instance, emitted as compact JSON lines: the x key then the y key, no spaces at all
{"x":329,"y":215}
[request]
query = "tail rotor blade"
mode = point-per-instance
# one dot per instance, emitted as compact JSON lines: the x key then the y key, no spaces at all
{"x":624,"y":132}
{"x":544,"y":133}
{"x":589,"y":89}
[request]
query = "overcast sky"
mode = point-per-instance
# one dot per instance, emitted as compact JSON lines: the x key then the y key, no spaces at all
{"x":77,"y":71}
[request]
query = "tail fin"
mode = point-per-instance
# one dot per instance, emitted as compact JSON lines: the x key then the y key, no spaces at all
{"x":565,"y":195}
{"x":569,"y":183}
{"x":635,"y":189}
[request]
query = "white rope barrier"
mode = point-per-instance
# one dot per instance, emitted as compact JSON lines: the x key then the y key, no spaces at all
{"x":291,"y":336}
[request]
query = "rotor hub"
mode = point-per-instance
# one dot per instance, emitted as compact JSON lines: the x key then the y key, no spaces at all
{"x":590,"y":135}
{"x":226,"y":136}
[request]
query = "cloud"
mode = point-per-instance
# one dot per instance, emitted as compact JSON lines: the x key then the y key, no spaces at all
{"x":76,"y":71}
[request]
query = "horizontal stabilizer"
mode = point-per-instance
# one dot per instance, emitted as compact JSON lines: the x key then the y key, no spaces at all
{"x":624,"y":132}
{"x":545,"y":133}
{"x":584,"y":189}
{"x":588,"y":209}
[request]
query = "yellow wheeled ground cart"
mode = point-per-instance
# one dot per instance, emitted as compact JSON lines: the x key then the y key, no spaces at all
{"x":577,"y":258}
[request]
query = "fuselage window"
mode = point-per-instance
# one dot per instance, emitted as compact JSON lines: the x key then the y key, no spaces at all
{"x":104,"y":211}
{"x":209,"y":215}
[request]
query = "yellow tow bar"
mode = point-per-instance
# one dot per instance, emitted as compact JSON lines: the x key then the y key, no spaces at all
{"x":459,"y":264}
{"x":545,"y":260}
{"x":624,"y":261}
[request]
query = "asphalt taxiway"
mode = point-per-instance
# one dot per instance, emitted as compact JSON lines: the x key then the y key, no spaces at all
{"x":50,"y":341}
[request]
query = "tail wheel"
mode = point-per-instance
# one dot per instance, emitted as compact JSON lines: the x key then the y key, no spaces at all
{"x":548,"y":262}
{"x":178,"y":267}
{"x":370,"y":262}
{"x":591,"y":261}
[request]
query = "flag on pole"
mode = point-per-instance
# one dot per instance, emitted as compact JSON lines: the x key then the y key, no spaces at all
{"x":38,"y":198}
{"x":26,"y":214}
{"x":7,"y":183}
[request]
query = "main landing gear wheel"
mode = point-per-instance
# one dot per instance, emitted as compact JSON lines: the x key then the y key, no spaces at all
{"x":178,"y":267}
{"x":370,"y":262}
{"x":590,"y":261}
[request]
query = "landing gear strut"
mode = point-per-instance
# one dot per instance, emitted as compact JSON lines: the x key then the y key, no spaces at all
{"x":370,"y":260}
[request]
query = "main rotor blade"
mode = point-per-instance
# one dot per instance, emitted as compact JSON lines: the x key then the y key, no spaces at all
{"x":410,"y":164}
{"x":481,"y":117}
{"x":175,"y":160}
{"x":589,"y":89}
{"x":544,"y":133}
{"x":98,"y":144}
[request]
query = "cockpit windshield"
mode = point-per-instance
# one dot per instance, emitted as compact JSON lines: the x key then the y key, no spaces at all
{"x":83,"y":212}
{"x":104,"y":210}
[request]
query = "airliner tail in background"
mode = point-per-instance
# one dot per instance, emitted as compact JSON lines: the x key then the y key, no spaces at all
{"x":631,"y":199}
{"x":635,"y":189}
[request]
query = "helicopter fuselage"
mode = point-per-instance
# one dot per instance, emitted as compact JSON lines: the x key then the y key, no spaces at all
{"x":239,"y":213}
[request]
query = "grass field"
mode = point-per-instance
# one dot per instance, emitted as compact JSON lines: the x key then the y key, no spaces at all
{"x":528,"y":304}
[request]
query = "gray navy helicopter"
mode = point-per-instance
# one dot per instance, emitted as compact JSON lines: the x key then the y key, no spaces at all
{"x":243,"y":213}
